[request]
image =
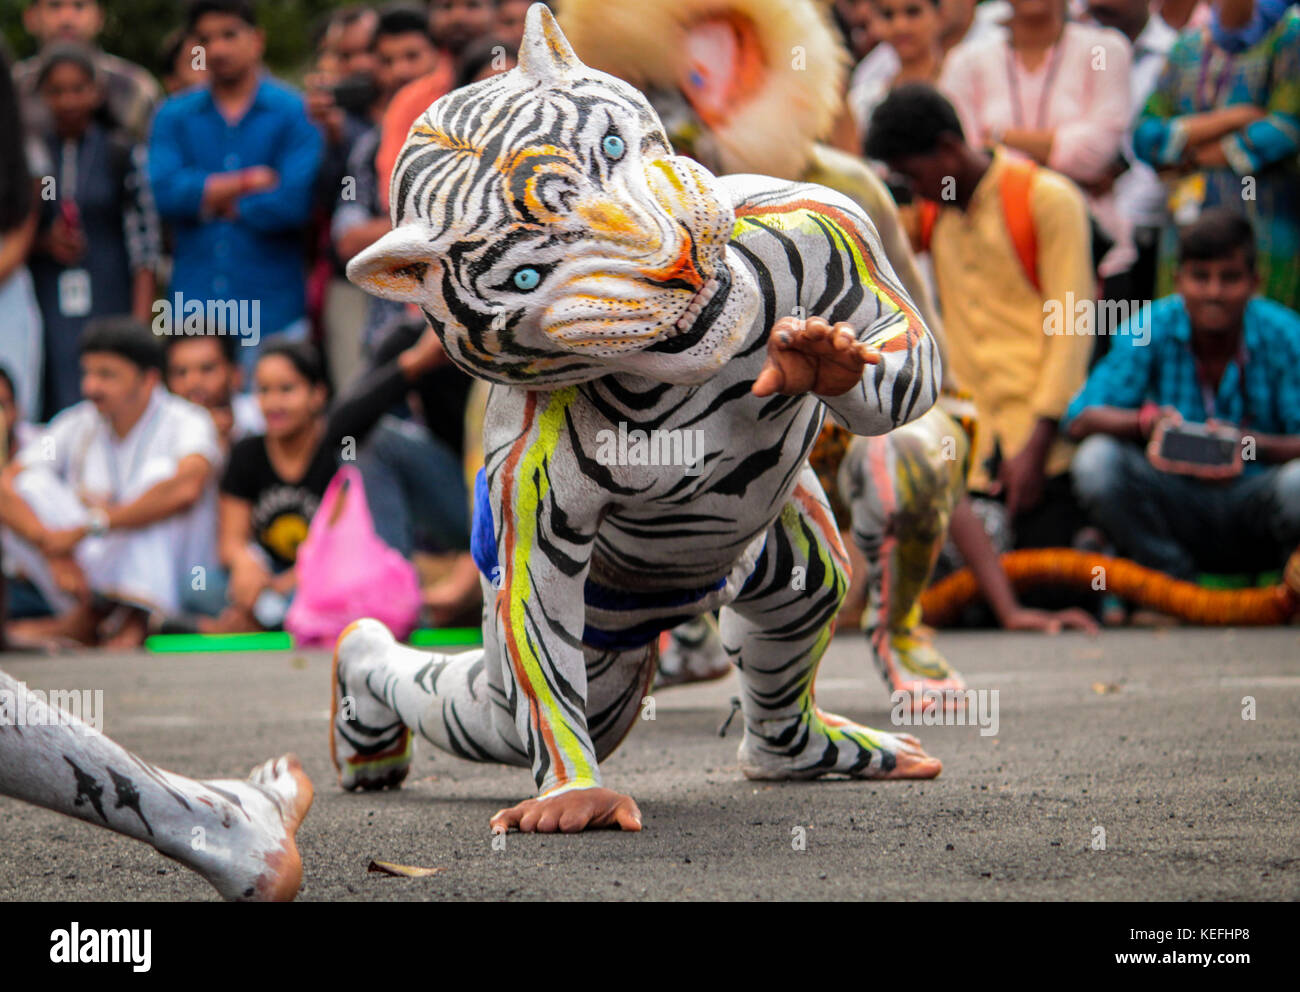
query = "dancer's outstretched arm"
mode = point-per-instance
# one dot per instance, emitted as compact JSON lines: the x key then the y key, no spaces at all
{"x":856,"y":317}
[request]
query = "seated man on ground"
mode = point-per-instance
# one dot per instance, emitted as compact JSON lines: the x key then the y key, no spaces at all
{"x":203,"y":369}
{"x":99,"y":510}
{"x":1215,"y":353}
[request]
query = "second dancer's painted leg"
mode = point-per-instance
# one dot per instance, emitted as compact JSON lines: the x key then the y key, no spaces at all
{"x":902,"y":488}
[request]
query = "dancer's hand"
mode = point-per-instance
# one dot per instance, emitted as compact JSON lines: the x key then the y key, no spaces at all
{"x":1049,"y":621}
{"x":569,"y":812}
{"x":811,"y":356}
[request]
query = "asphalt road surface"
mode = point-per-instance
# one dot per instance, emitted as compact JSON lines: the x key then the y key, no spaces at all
{"x":1122,"y":767}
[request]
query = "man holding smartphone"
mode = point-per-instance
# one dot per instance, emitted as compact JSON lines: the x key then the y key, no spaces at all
{"x":1190,"y":460}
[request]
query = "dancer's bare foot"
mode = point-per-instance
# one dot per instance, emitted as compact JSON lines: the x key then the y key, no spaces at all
{"x":911,"y":761}
{"x":910,"y":664}
{"x":692,"y":652}
{"x":570,"y":812}
{"x":370,"y":746}
{"x":259,"y":861}
{"x":830,"y":745}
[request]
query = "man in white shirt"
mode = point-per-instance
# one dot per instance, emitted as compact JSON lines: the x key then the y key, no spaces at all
{"x":204,"y":369}
{"x":98,"y":510}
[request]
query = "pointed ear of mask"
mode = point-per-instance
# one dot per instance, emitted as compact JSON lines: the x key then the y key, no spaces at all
{"x":399,"y":266}
{"x":545,"y":54}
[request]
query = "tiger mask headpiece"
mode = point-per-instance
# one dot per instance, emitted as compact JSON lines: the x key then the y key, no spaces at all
{"x":550,"y":235}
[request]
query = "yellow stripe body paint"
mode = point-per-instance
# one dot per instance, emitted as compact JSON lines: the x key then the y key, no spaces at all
{"x":532,"y":486}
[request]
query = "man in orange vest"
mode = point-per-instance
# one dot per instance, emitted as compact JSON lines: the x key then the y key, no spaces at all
{"x":1010,"y":245}
{"x":454,"y":24}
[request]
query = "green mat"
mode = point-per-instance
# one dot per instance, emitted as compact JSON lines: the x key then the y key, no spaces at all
{"x":446,"y":637}
{"x":193,"y":643}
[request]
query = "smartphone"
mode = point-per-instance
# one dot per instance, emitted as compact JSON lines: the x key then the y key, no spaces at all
{"x":1200,"y":450}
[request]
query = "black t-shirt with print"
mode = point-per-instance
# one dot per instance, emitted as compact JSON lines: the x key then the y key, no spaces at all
{"x":282,"y":510}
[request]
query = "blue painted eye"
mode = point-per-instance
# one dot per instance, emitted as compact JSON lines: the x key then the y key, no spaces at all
{"x":613,"y":146}
{"x":526,"y":279}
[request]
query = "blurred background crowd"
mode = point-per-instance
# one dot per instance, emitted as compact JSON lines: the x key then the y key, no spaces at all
{"x":159,"y":157}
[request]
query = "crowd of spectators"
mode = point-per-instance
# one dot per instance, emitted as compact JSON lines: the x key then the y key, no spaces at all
{"x":187,"y":445}
{"x":1130,"y":165}
{"x":1107,"y":200}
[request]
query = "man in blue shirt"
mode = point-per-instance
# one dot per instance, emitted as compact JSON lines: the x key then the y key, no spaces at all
{"x":233,"y":165}
{"x":1213,"y":352}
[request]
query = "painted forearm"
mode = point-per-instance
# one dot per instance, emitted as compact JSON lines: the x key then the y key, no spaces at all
{"x":901,"y":388}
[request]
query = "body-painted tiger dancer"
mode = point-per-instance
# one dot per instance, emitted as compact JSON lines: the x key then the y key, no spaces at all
{"x":564,"y":253}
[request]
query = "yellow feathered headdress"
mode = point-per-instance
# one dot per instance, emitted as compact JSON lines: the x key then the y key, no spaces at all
{"x":764,"y":76}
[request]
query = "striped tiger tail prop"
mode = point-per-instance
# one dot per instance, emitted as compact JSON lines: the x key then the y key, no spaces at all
{"x":620,"y":299}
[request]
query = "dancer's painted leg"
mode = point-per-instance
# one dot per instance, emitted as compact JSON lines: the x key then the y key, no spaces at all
{"x":777,"y":631}
{"x":239,"y":835}
{"x":385,"y":692}
{"x":902,"y":488}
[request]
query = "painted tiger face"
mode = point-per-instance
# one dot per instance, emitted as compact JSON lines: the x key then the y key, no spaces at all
{"x":550,"y":235}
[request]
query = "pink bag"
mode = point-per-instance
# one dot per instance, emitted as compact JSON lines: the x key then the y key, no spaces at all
{"x":346,"y":572}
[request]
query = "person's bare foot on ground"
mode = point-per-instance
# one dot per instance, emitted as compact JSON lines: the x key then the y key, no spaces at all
{"x":76,"y":628}
{"x":128,"y":632}
{"x":262,"y":864}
